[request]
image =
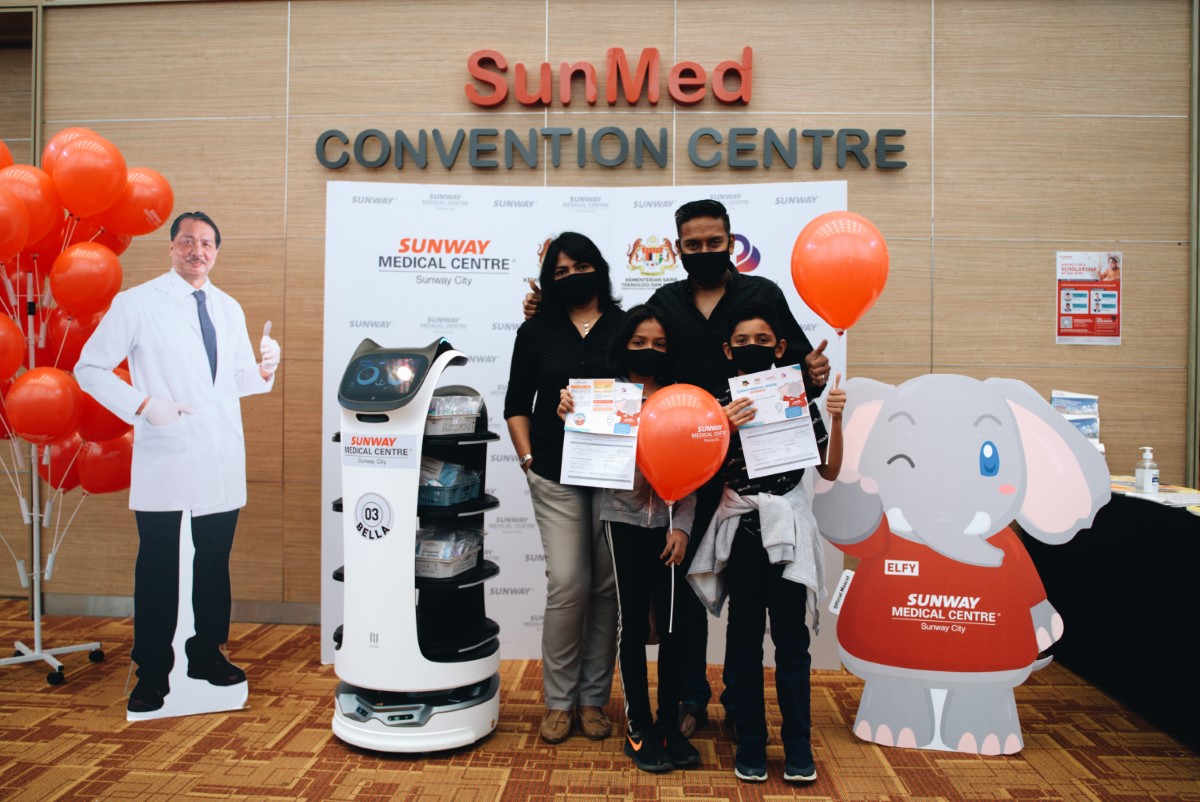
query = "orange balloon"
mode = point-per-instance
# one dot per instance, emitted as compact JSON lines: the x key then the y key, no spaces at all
{"x":58,"y":141}
{"x":144,"y":205}
{"x":682,"y":441}
{"x":40,"y":255}
{"x":14,"y":224}
{"x":44,"y":405}
{"x":5,"y":155}
{"x":67,"y":335}
{"x":89,"y":174}
{"x":36,"y":189}
{"x":839,"y":267}
{"x":97,"y":423}
{"x":104,"y":467}
{"x":90,"y":230}
{"x":62,"y":472}
{"x":85,"y":278}
{"x":12,"y":347}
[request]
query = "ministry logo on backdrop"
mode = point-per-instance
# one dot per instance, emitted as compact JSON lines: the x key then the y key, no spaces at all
{"x":650,"y":262}
{"x":745,"y":256}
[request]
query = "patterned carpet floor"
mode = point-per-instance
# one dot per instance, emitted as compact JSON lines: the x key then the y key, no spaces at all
{"x":71,"y":742}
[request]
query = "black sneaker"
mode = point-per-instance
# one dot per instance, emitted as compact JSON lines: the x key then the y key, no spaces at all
{"x":647,"y":752}
{"x":679,"y":749}
{"x":146,"y":697}
{"x":754,"y":774}
{"x":798,"y":765}
{"x":799,"y":774}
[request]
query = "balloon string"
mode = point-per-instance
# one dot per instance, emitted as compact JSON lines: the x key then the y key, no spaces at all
{"x":3,"y":463}
{"x":58,"y":541}
{"x":671,"y":568}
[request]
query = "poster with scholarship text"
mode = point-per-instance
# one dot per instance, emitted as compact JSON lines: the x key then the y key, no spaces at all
{"x":1089,"y":297}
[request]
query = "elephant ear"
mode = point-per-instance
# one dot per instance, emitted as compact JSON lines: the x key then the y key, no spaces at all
{"x":1066,"y":478}
{"x":849,"y":510}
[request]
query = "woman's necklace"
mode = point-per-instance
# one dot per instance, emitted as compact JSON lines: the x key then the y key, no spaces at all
{"x":585,"y":326}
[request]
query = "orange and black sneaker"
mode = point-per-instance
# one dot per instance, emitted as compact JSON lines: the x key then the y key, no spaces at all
{"x":647,"y":751}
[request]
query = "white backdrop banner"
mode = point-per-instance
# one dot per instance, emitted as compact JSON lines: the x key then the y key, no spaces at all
{"x":406,"y":264}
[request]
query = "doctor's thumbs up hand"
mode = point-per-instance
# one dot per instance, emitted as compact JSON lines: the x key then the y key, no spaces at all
{"x":268,"y":347}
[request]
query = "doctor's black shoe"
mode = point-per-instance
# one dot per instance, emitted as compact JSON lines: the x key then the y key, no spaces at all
{"x":679,"y":749}
{"x":647,"y":752}
{"x":216,"y":670}
{"x":145,"y":698}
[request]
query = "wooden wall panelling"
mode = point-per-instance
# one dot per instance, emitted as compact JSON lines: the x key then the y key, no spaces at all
{"x":996,"y":303}
{"x":1050,"y":178}
{"x":371,"y":57}
{"x":1045,"y":59}
{"x":897,"y":330}
{"x":302,"y":540}
{"x":817,"y":57}
{"x":99,"y":549}
{"x":166,"y":61}
{"x":256,"y":564}
{"x":304,"y":289}
{"x":16,"y":101}
{"x":229,"y":168}
{"x":303,"y":440}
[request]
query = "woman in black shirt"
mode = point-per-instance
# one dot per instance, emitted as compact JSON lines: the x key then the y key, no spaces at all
{"x":567,"y":339}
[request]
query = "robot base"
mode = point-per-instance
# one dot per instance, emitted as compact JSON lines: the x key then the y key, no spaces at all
{"x":416,"y":722}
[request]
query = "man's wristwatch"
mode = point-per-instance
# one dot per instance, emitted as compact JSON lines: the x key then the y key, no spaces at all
{"x":524,"y":460}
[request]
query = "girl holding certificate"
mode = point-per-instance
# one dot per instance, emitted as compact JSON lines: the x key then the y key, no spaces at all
{"x":567,"y":338}
{"x":648,"y":546}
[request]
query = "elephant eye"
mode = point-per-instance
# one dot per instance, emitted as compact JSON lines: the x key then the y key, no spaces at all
{"x":989,"y":459}
{"x":904,"y":457}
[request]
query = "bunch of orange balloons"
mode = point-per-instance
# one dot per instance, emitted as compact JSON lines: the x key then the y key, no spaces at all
{"x":64,"y":225}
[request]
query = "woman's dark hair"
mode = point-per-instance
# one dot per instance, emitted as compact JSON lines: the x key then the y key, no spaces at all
{"x":618,"y":347}
{"x":756,"y":311}
{"x":581,"y":249}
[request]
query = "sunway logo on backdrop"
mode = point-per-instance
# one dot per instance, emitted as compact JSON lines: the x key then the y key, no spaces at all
{"x":652,"y":256}
{"x":426,"y":245}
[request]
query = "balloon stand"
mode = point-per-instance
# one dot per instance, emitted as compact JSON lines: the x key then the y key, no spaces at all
{"x":23,"y":653}
{"x":418,"y":660}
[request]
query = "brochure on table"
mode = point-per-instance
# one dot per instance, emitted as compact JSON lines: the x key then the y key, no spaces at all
{"x":781,"y":436}
{"x":600,"y":442}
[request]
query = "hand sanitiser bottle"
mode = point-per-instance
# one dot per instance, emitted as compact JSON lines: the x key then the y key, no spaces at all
{"x":1145,"y":473}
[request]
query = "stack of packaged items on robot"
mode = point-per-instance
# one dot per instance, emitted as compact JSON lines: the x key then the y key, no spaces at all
{"x":444,"y":483}
{"x":447,"y":552}
{"x":453,"y":414}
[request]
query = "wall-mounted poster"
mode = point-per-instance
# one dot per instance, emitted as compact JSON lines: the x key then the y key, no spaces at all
{"x":1089,"y":297}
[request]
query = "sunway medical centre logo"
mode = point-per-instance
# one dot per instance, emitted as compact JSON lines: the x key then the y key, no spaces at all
{"x":652,"y":256}
{"x":746,"y":257}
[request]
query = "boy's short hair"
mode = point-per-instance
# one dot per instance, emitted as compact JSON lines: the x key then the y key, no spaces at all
{"x":756,"y":310}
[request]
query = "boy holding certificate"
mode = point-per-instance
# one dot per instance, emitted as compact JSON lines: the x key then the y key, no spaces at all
{"x":763,"y":549}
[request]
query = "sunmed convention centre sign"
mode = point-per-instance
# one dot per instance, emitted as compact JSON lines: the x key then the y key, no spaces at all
{"x":688,"y":83}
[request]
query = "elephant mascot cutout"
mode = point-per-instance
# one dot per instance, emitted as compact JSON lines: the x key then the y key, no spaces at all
{"x":945,"y":613}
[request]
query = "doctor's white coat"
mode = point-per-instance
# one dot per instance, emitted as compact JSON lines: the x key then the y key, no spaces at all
{"x":197,"y":463}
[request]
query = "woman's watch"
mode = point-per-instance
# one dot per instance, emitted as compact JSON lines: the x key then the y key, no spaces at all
{"x":524,"y":460}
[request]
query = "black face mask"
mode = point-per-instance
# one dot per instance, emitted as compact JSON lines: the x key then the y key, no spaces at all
{"x":708,"y":268}
{"x":753,"y":358}
{"x":576,"y":289}
{"x":646,"y":361}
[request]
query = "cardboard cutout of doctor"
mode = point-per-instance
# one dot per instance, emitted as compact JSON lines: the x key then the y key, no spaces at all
{"x":191,"y":361}
{"x":945,"y":613}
